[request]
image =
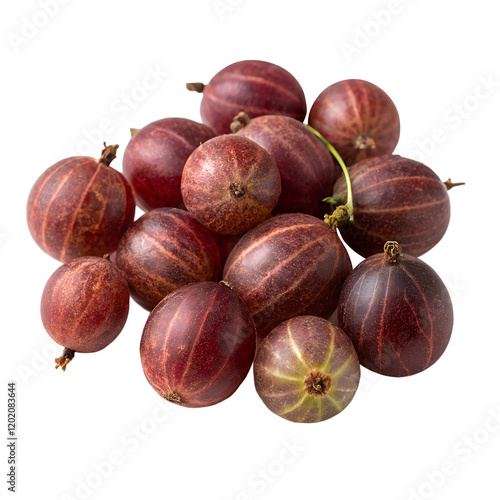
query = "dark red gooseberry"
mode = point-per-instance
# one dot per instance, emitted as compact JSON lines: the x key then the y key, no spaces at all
{"x":306,"y":370}
{"x":397,"y":312}
{"x":154,"y":159}
{"x":163,"y":250}
{"x":358,"y":118}
{"x":290,"y":265}
{"x":80,"y":207}
{"x":397,"y":199}
{"x":306,"y":167}
{"x":256,"y":87}
{"x":84,"y":306}
{"x":230,"y":184}
{"x":198,"y":345}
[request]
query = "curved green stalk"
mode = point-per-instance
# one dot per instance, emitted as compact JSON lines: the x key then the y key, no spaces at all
{"x":349,"y":205}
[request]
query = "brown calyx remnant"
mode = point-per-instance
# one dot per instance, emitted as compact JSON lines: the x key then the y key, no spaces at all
{"x":134,"y":131}
{"x":392,"y":251}
{"x":241,"y":120}
{"x":450,"y":184}
{"x":364,"y":141}
{"x":66,"y":357}
{"x":173,"y":397}
{"x":195,"y":87}
{"x":108,"y":154}
{"x":317,"y":384}
{"x":237,"y":190}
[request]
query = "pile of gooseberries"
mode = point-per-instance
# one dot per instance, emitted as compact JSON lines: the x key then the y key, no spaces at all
{"x":240,"y":254}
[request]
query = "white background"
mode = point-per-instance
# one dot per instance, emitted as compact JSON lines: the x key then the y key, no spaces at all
{"x":98,"y":430}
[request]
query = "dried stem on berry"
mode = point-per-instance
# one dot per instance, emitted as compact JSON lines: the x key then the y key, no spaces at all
{"x":241,"y":120}
{"x":392,"y":251}
{"x":108,"y":154}
{"x":450,"y":184}
{"x":173,"y":397}
{"x":66,"y":357}
{"x":195,"y":87}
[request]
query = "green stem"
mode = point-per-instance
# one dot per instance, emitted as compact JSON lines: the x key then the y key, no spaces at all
{"x":349,"y":205}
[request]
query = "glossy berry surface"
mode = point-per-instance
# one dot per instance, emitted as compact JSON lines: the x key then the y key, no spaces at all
{"x":306,"y":370}
{"x":306,"y":167}
{"x":395,"y":198}
{"x":80,"y":207}
{"x":255,"y":87}
{"x":397,"y":312}
{"x":85,"y":304}
{"x":198,"y":345}
{"x":358,"y":118}
{"x":154,"y":159}
{"x":290,"y":265}
{"x":230,"y":184}
{"x":163,"y":250}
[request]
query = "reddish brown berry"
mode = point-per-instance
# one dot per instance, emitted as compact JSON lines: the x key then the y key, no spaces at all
{"x":230,"y":184}
{"x":290,"y":265}
{"x":163,"y":250}
{"x":154,"y":159}
{"x":80,"y":206}
{"x":358,"y":118}
{"x":198,"y":345}
{"x":306,"y":370}
{"x":256,"y":87}
{"x":397,"y":312}
{"x":84,"y":306}
{"x":397,"y":199}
